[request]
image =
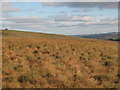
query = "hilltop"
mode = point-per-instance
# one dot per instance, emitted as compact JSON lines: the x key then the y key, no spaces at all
{"x":25,"y":34}
{"x":39,"y":60}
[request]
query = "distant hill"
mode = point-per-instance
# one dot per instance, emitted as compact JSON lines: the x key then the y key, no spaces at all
{"x":113,"y":36}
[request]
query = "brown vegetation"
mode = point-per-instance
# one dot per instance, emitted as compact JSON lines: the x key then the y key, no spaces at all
{"x":58,"y":62}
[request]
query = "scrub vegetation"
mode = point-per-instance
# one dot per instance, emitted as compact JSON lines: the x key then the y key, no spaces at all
{"x":38,"y":60}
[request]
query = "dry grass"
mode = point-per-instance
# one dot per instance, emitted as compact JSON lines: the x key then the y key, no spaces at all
{"x":59,"y":62}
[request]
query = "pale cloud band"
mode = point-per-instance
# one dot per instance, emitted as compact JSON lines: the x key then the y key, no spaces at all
{"x":60,"y":0}
{"x":56,"y":26}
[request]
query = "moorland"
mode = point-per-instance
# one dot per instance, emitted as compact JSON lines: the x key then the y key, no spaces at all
{"x":39,"y":60}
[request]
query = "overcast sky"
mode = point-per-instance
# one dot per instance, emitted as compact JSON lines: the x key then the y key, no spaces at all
{"x":61,"y":17}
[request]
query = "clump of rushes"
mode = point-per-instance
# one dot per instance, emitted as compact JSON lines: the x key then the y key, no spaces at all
{"x":35,"y":51}
{"x":107,"y":63}
{"x":24,"y":78}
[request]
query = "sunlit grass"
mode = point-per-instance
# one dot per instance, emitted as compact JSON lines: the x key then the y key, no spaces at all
{"x":64,"y":62}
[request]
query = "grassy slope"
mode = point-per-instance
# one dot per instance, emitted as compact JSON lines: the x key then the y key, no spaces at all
{"x":13,"y":33}
{"x":37,"y":60}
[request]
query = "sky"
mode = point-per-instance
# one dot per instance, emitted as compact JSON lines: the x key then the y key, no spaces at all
{"x":68,"y":18}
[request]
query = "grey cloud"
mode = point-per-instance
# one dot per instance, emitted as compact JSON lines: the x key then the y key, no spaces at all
{"x":87,"y":10}
{"x":105,"y":22}
{"x":27,"y":19}
{"x":100,"y":5}
{"x":110,"y":19}
{"x":62,"y":12}
{"x":74,"y":18}
{"x":27,"y":22}
{"x":60,"y":0}
{"x":83,"y":10}
{"x":51,"y":24}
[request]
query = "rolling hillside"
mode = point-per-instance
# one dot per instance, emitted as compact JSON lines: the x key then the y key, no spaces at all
{"x":38,"y":60}
{"x":113,"y":36}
